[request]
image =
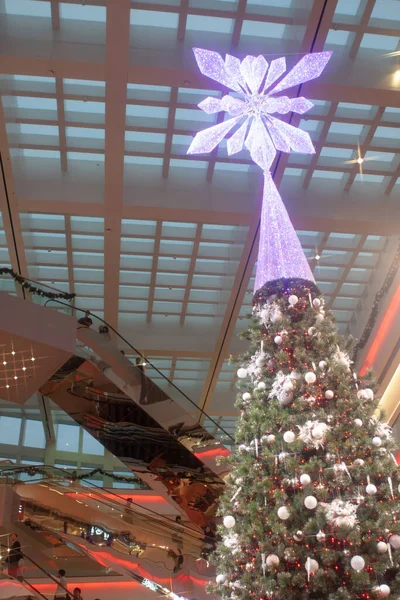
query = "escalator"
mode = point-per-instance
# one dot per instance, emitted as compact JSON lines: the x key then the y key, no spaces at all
{"x":133,"y":541}
{"x":158,"y":437}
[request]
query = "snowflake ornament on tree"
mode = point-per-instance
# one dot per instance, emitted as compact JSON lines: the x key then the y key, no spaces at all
{"x":313,"y":433}
{"x":340,"y":513}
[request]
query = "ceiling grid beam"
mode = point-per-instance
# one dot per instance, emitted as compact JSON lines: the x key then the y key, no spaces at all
{"x":192,"y":267}
{"x":154,"y":270}
{"x":238,"y":24}
{"x":166,"y":156}
{"x":319,"y":144}
{"x":61,"y":124}
{"x":70,"y":261}
{"x":116,"y":73}
{"x":364,"y":146}
{"x":183,"y":14}
{"x":359,"y":33}
{"x":346,"y":271}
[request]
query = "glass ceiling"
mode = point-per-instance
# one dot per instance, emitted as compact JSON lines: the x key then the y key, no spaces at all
{"x":187,"y":223}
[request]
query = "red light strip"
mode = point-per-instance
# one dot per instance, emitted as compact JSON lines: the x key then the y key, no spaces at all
{"x":383,"y":329}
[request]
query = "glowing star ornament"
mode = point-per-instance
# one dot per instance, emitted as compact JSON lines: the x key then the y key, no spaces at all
{"x":254,"y":125}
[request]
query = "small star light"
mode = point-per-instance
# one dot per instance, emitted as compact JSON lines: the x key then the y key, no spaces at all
{"x":252,"y":118}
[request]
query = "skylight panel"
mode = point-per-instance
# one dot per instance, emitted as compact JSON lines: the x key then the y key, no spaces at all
{"x":83,"y":12}
{"x":209,"y":24}
{"x":149,"y":18}
{"x":347,"y":7}
{"x":28,"y":8}
{"x":337,"y":37}
{"x":263,"y":29}
{"x":374,"y":41}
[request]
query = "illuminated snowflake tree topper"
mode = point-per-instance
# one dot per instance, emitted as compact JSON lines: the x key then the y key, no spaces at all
{"x":252,"y":110}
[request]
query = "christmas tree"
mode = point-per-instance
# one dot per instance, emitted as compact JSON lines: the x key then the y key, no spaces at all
{"x":311,"y":503}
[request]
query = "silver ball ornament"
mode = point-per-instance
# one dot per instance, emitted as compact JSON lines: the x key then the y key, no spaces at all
{"x":310,"y":502}
{"x":272,"y":561}
{"x":242,"y":373}
{"x":311,"y":565}
{"x":310,"y":377}
{"x":289,"y":437}
{"x":298,"y":536}
{"x":271,"y":438}
{"x":293,"y":300}
{"x":359,"y":462}
{"x":261,"y":385}
{"x":305,"y":479}
{"x":283,"y":513}
{"x":371,"y":489}
{"x":382,"y":547}
{"x":229,"y":521}
{"x":329,"y":394}
{"x":322,"y":365}
{"x":394,"y":541}
{"x":220,"y":578}
{"x":358,"y":422}
{"x":384,"y":590}
{"x":311,"y":331}
{"x":278,"y":340}
{"x":246,"y":396}
{"x":316,"y":303}
{"x":321,"y":536}
{"x":377,"y":442}
{"x":357,"y":563}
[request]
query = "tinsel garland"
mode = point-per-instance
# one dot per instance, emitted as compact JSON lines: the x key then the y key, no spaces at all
{"x":284,"y":286}
{"x":394,"y":267}
{"x":33,"y":289}
{"x":73,"y":476}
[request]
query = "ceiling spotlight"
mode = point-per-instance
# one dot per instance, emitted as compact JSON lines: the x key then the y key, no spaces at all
{"x":360,"y":160}
{"x":317,"y":257}
{"x":24,"y":368}
{"x":7,"y":386}
{"x":15,"y":376}
{"x":32,"y":358}
{"x":13,"y":353}
{"x":4,"y":362}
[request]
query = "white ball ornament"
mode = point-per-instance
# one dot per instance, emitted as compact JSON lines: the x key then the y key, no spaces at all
{"x":384,"y":590}
{"x":295,"y":375}
{"x":242,"y":373}
{"x":260,"y":362}
{"x":285,"y":398}
{"x":357,"y":563}
{"x":369,"y":393}
{"x":261,"y":385}
{"x":329,"y":394}
{"x":322,"y":365}
{"x":289,"y":437}
{"x":394,"y":541}
{"x":271,"y":438}
{"x":311,"y":331}
{"x":310,"y":377}
{"x":310,"y":502}
{"x":377,"y":441}
{"x":311,"y":565}
{"x":272,"y":560}
{"x":316,"y":303}
{"x":359,"y":462}
{"x":229,"y":521}
{"x":382,"y":547}
{"x":371,"y":489}
{"x":298,"y":536}
{"x":246,"y":396}
{"x":319,"y":317}
{"x":283,"y":513}
{"x":305,"y":479}
{"x":358,"y":422}
{"x":220,"y":578}
{"x":293,"y":300}
{"x":278,"y":340}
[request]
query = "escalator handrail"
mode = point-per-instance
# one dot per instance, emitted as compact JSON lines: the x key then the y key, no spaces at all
{"x":203,"y":413}
{"x":120,"y":499}
{"x":54,"y":579}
